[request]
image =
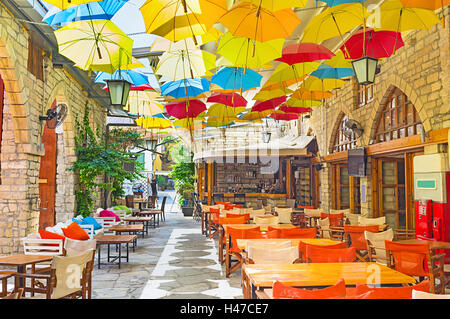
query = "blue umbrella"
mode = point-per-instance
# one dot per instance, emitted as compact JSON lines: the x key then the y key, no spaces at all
{"x":333,"y":3}
{"x":133,"y":77}
{"x":185,"y":87}
{"x":232,"y":78}
{"x":327,"y":72}
{"x":101,"y":10}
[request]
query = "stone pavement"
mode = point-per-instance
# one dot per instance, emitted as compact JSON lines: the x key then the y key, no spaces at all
{"x":174,"y":261}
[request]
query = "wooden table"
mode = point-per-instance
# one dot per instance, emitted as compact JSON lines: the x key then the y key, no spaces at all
{"x":136,"y":219}
{"x":319,"y":275}
{"x":21,"y":261}
{"x":153,"y":213}
{"x":115,"y":240}
{"x":140,"y":202}
{"x":130,"y":229}
{"x":242,"y":243}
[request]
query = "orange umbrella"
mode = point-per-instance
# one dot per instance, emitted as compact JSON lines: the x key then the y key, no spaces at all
{"x":311,"y":95}
{"x":427,"y":4}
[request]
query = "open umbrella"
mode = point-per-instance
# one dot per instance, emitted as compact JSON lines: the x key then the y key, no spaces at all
{"x":151,"y":122}
{"x":259,"y":24}
{"x":163,"y":44}
{"x":185,"y":109}
{"x":229,"y":99}
{"x":282,"y":116}
{"x":239,"y":79}
{"x":180,"y":19}
{"x":275,"y":5}
{"x":302,"y":94}
{"x":285,"y":72}
{"x":223,"y":112}
{"x":327,"y":72}
{"x":215,"y":122}
{"x":144,"y":104}
{"x":64,"y":4}
{"x":243,"y":53}
{"x":293,"y":102}
{"x":305,"y":52}
{"x":264,"y":95}
{"x":255,"y":116}
{"x":101,"y":10}
{"x":260,"y":106}
{"x":313,"y":83}
{"x":294,"y":110}
{"x":185,"y":87}
{"x":135,"y":78}
{"x":339,"y":61}
{"x":97,"y":45}
{"x":332,"y":3}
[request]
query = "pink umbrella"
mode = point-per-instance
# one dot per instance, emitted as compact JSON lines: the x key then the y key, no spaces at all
{"x":229,"y":99}
{"x":295,"y":110}
{"x":182,"y":110}
{"x":304,"y":52}
{"x":269,"y":104}
{"x":376,"y":44}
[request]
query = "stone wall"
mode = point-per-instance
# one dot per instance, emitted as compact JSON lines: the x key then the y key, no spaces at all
{"x":25,"y":99}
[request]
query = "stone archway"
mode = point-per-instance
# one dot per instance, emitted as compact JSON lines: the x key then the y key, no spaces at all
{"x":334,"y":131}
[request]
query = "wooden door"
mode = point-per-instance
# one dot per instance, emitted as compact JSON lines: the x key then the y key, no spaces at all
{"x":47,"y":179}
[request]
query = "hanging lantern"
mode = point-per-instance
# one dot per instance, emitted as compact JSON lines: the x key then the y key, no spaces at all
{"x":266,"y":136}
{"x":118,"y":92}
{"x":365,"y":69}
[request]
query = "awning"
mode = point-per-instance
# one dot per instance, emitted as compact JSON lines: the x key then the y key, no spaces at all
{"x":285,"y":146}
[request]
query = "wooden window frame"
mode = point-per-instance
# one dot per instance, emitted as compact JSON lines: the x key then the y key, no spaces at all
{"x":354,"y":184}
{"x":363,"y":93}
{"x":341,"y":142}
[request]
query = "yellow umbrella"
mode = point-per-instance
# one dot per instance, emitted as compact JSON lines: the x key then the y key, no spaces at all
{"x":64,"y":4}
{"x":223,"y":61}
{"x":97,"y":45}
{"x":250,"y":21}
{"x":180,"y":19}
{"x":286,"y":72}
{"x":315,"y":84}
{"x":143,"y":103}
{"x":223,"y":112}
{"x":171,"y":99}
{"x":216,"y":122}
{"x":334,"y":22}
{"x":243,"y":53}
{"x":264,"y":95}
{"x":254,"y":116}
{"x":275,"y":5}
{"x":190,"y":124}
{"x":151,"y":122}
{"x":339,"y":61}
{"x":293,"y":102}
{"x":163,"y":44}
{"x":302,"y":94}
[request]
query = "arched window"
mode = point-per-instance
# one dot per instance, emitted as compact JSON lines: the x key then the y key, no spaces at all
{"x":342,"y":142}
{"x":398,"y":119}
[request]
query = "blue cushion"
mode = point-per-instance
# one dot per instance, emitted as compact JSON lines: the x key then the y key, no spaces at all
{"x":79,"y":222}
{"x":92,"y":221}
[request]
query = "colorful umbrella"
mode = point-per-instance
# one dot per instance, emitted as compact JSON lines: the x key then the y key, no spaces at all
{"x":425,"y":4}
{"x":275,"y":5}
{"x":339,"y":61}
{"x":144,"y":104}
{"x":64,"y":4}
{"x":332,"y":3}
{"x":163,"y":44}
{"x":303,"y":94}
{"x":97,"y":45}
{"x":185,"y":109}
{"x":294,"y":110}
{"x":229,"y":99}
{"x":285,"y":72}
{"x":238,"y":79}
{"x":151,"y":122}
{"x":101,"y":10}
{"x":305,"y":52}
{"x":264,"y":95}
{"x":250,"y":21}
{"x":327,"y":72}
{"x":190,"y":124}
{"x":376,"y":44}
{"x":185,"y":88}
{"x":215,"y":122}
{"x":180,"y":19}
{"x":135,"y":78}
{"x":315,"y":84}
{"x":243,"y":53}
{"x":260,"y":106}
{"x":256,"y":116}
{"x":293,"y":102}
{"x":281,"y":116}
{"x":223,"y":112}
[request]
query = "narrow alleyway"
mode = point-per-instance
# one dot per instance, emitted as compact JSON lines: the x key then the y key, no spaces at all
{"x":174,"y":261}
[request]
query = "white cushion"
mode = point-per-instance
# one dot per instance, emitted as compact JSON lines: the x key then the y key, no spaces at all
{"x":425,"y":295}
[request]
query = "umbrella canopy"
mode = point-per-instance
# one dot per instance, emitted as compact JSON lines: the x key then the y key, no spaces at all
{"x":264,"y":95}
{"x":230,"y":78}
{"x":223,"y":112}
{"x":190,"y":124}
{"x":97,"y":45}
{"x":334,"y":22}
{"x":180,"y":19}
{"x":315,"y":84}
{"x":269,"y":104}
{"x":255,"y":116}
{"x":332,"y":3}
{"x":163,"y":44}
{"x":281,"y":116}
{"x":376,"y":44}
{"x":327,"y":72}
{"x":293,"y":102}
{"x":302,"y":94}
{"x":242,"y":52}
{"x":425,"y":4}
{"x":185,"y":88}
{"x":135,"y":78}
{"x":215,"y":122}
{"x":251,"y":21}
{"x":101,"y":10}
{"x":294,"y":110}
{"x":182,"y":110}
{"x":285,"y":72}
{"x":275,"y":5}
{"x":339,"y":61}
{"x":151,"y":122}
{"x":144,"y":104}
{"x":305,"y":52}
{"x":64,"y":4}
{"x":229,"y":99}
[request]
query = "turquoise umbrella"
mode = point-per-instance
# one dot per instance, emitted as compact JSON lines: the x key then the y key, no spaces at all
{"x":185,"y":87}
{"x":239,"y":79}
{"x":327,"y":72}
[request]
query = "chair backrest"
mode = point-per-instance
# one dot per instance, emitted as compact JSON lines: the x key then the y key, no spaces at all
{"x":426,"y":295}
{"x":316,"y":254}
{"x":258,"y":212}
{"x":215,"y":214}
{"x":299,"y":232}
{"x":265,"y":255}
{"x":235,"y":233}
{"x":267,"y":208}
{"x":336,"y":220}
{"x":339,"y":211}
{"x":284,"y":214}
{"x":375,"y":242}
{"x":106,"y":222}
{"x":69,"y":272}
{"x":269,"y":220}
{"x":282,"y":291}
{"x":89,"y":229}
{"x":151,"y":202}
{"x":51,"y":247}
{"x":206,"y":208}
{"x":364,"y":221}
{"x":356,"y":233}
{"x":232,"y":220}
{"x":303,"y":253}
{"x":129,"y":201}
{"x":163,"y":204}
{"x":290,"y":203}
{"x":313,"y":212}
{"x":410,"y":259}
{"x":353,"y":218}
{"x":238,"y":215}
{"x":324,"y":226}
{"x":76,"y":247}
{"x":268,"y":244}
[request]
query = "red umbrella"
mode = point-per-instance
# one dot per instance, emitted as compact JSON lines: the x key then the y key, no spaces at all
{"x":136,"y":88}
{"x":295,"y":110}
{"x":378,"y":44}
{"x":269,"y":104}
{"x":229,"y":99}
{"x":304,"y":52}
{"x":182,"y":110}
{"x":279,"y":116}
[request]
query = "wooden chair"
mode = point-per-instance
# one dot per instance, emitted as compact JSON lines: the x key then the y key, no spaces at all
{"x":364,"y":221}
{"x":238,"y":215}
{"x":426,"y":295}
{"x":312,"y":215}
{"x":416,"y":260}
{"x":303,"y":252}
{"x":45,"y":247}
{"x":375,"y":245}
{"x":89,"y":229}
{"x":272,"y":255}
{"x":269,"y":220}
{"x":4,"y":276}
{"x":297,"y":232}
{"x":234,"y":250}
{"x":67,"y":277}
{"x":326,"y":231}
{"x":354,"y":236}
{"x":14,"y":295}
{"x":213,"y":222}
{"x":318,"y":254}
{"x":151,"y":203}
{"x":257,"y":234}
{"x":107,"y":223}
{"x":282,"y":291}
{"x":129,"y":202}
{"x":336,"y":220}
{"x":284,"y":214}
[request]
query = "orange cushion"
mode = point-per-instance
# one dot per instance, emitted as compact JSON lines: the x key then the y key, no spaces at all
{"x":283,"y":291}
{"x":74,"y":231}
{"x":391,"y":292}
{"x":49,"y":235}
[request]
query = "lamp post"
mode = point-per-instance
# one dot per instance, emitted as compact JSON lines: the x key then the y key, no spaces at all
{"x":365,"y":69}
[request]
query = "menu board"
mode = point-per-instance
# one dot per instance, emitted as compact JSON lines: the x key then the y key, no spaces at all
{"x":357,"y":162}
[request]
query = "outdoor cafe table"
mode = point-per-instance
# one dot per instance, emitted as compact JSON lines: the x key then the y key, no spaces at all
{"x":114,"y":240}
{"x":21,"y":261}
{"x":136,"y":219}
{"x":140,"y":201}
{"x":319,"y":275}
{"x":130,"y":229}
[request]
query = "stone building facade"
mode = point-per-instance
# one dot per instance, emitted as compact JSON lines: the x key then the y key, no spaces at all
{"x":26,"y":97}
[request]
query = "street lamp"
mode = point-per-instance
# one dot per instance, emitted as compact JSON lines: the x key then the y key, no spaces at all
{"x":118,"y":92}
{"x":365,"y":69}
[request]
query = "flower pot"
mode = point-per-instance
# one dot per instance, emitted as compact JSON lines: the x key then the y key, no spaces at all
{"x":187,"y":211}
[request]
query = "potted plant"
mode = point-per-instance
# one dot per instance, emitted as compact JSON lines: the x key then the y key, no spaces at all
{"x":183,"y":173}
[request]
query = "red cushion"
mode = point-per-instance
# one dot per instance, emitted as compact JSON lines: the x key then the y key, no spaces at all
{"x":49,"y":235}
{"x":108,"y":213}
{"x":74,"y":231}
{"x":283,"y":291}
{"x":392,"y":292}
